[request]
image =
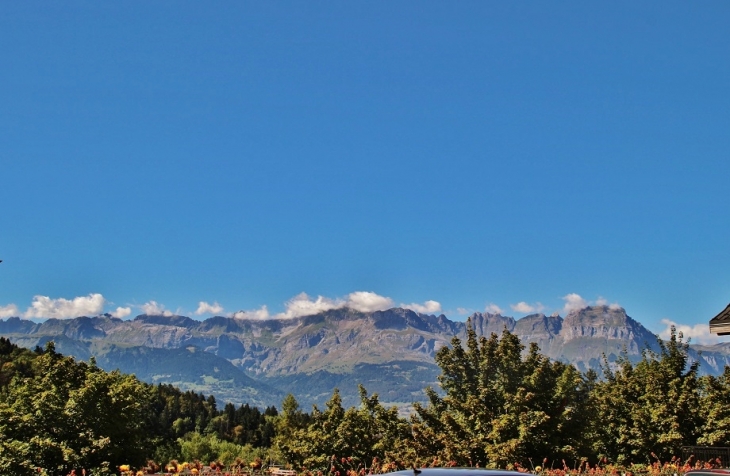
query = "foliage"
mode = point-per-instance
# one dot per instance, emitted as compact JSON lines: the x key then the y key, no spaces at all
{"x":175,"y":413}
{"x":650,"y":408}
{"x":195,"y":446}
{"x":363,"y":434}
{"x":672,"y":467}
{"x":14,"y":361}
{"x":67,"y":415}
{"x":715,"y":410}
{"x":60,"y":414}
{"x":398,"y":380}
{"x":501,"y":406}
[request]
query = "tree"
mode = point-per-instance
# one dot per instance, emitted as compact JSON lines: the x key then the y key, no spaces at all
{"x":343,"y":438}
{"x":69,"y":415}
{"x":501,"y":406}
{"x":291,"y":426}
{"x":715,"y":410}
{"x":651,"y":408}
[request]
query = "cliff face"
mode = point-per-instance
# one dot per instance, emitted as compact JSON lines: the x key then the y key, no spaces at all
{"x":590,"y":333}
{"x":486,"y":324}
{"x":16,"y":325}
{"x":393,"y":348}
{"x":603,"y":322}
{"x":340,"y":339}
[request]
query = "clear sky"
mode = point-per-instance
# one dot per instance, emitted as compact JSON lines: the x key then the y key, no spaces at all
{"x":482,"y":155}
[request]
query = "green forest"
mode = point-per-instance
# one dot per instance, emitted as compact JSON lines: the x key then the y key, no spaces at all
{"x":500,"y":405}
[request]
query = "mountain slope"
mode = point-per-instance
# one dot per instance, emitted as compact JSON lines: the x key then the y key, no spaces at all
{"x":391,"y":352}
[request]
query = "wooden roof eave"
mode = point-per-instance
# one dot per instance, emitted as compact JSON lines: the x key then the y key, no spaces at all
{"x":720,"y":324}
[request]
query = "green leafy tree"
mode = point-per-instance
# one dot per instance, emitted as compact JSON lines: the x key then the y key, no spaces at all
{"x":70,"y":415}
{"x":14,"y":361}
{"x":715,"y":410}
{"x":210,"y":448}
{"x":650,"y":409}
{"x":339,"y":437}
{"x":501,"y":405}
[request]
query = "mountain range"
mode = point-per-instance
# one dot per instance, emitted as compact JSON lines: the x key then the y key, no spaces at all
{"x":390,"y":352}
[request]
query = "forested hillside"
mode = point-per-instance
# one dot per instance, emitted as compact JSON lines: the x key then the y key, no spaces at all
{"x":59,"y":414}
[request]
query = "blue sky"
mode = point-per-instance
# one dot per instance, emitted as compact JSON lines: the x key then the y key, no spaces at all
{"x":476,"y":154}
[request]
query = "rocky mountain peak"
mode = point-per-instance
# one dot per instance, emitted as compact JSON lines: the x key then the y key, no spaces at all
{"x":78,"y":328}
{"x":16,"y":324}
{"x":539,"y":326}
{"x":162,"y":320}
{"x":400,"y":318}
{"x":221,"y":323}
{"x":609,"y":322}
{"x":392,"y":348}
{"x":487,"y":323}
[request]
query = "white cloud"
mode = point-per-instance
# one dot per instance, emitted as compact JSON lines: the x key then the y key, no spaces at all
{"x":493,"y":308}
{"x":365,"y":301}
{"x":601,"y":301}
{"x":699,"y":333}
{"x":207,"y":308}
{"x":525,"y":308}
{"x":428,"y":307}
{"x":44,"y":306}
{"x":573,"y":302}
{"x":11,"y":310}
{"x":303,"y":305}
{"x":254,"y":314}
{"x":153,"y":308}
{"x":122,"y":312}
{"x":463,"y":311}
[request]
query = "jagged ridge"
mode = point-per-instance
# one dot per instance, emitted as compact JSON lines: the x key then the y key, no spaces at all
{"x":342,"y":345}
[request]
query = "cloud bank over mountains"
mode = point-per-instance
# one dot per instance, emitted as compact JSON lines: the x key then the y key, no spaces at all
{"x":153,"y":308}
{"x":303,"y":304}
{"x":61,"y":308}
{"x":300,"y":305}
{"x":11,"y":310}
{"x":44,"y":306}
{"x":525,"y":308}
{"x":428,"y":307}
{"x":206,"y":308}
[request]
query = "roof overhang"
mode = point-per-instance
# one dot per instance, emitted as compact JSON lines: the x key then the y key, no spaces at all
{"x":720,"y":324}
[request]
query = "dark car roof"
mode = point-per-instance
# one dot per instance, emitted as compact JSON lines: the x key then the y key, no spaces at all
{"x":455,"y":472}
{"x":714,"y":471}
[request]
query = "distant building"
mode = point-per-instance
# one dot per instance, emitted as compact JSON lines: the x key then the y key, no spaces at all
{"x":720,"y":324}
